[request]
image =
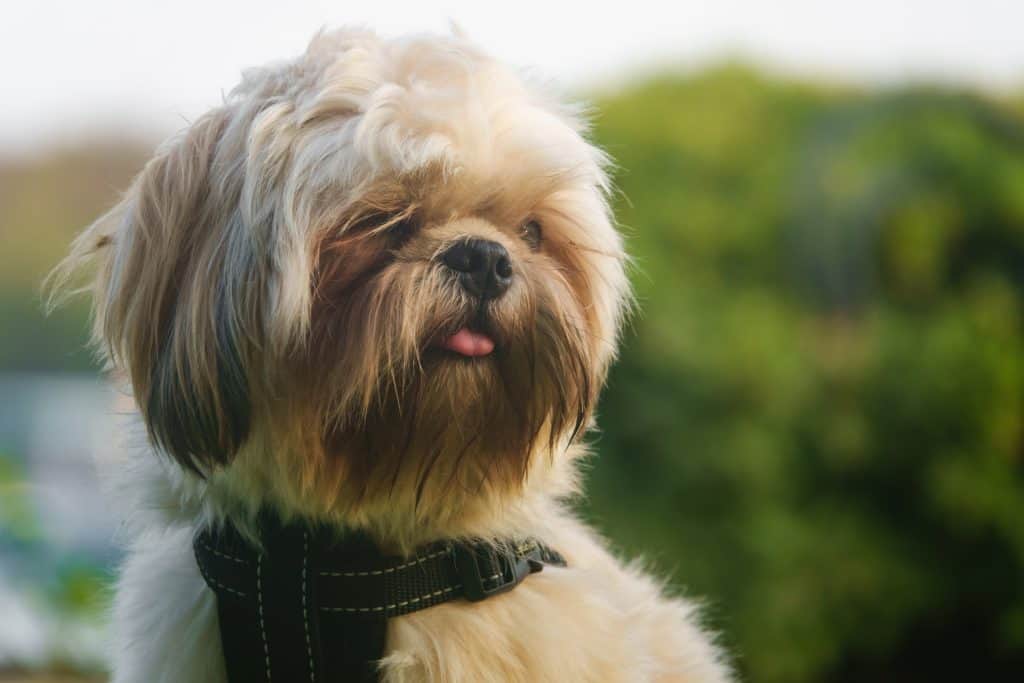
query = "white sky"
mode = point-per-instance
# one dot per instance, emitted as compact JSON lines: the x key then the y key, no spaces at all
{"x":75,"y":67}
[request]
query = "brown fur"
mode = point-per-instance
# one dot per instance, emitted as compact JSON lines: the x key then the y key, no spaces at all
{"x":272,"y":289}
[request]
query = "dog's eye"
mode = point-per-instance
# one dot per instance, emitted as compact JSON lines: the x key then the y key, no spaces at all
{"x":397,"y":228}
{"x":531,"y":233}
{"x":402,"y":230}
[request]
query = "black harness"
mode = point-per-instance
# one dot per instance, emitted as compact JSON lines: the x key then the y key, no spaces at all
{"x":310,"y":607}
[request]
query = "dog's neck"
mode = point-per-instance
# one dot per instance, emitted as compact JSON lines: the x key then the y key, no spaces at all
{"x":399,"y":525}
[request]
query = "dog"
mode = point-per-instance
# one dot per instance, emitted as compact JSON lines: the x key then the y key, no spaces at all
{"x":377,"y":290}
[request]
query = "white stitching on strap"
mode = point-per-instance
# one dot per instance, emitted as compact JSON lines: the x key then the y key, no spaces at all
{"x":305,"y":612}
{"x":220,"y":585}
{"x":403,"y":603}
{"x":211,"y":582}
{"x":224,"y":555}
{"x":259,"y":604}
{"x":389,"y":570}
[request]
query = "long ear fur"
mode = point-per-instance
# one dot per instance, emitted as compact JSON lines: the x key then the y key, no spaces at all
{"x":168,"y":310}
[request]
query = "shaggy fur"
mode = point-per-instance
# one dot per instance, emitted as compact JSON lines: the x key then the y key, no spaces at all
{"x":270,"y":289}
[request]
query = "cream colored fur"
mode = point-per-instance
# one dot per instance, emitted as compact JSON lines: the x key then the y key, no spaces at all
{"x":209,"y":295}
{"x":595,"y":621}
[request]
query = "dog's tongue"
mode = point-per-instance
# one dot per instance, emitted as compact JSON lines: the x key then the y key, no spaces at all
{"x":469,"y":343}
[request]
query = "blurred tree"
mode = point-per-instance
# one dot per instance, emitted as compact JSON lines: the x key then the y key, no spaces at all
{"x":44,"y":202}
{"x":816,"y":422}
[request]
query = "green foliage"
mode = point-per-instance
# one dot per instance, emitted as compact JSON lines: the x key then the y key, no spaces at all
{"x":44,"y":202}
{"x":816,"y":423}
{"x":80,"y":588}
{"x":17,"y":519}
{"x":817,"y":418}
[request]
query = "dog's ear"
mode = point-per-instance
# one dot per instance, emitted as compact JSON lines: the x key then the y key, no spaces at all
{"x":173,"y":299}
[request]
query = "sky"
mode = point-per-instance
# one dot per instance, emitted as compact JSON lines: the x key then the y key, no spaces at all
{"x":138,"y":67}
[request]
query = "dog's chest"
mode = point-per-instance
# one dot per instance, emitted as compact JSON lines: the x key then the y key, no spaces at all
{"x":547,"y":629}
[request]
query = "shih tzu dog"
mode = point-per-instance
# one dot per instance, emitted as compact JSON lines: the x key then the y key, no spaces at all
{"x":364,"y":309}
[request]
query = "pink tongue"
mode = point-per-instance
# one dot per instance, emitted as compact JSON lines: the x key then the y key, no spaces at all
{"x":469,"y":343}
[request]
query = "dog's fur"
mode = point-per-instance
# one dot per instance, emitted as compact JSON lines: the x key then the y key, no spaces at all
{"x":270,"y":290}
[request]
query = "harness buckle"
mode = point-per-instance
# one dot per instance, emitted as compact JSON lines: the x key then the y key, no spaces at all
{"x":487,"y":571}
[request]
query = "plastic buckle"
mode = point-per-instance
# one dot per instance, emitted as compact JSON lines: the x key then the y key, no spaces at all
{"x":511,"y":569}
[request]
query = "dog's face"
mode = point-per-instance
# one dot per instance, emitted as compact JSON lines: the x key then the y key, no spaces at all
{"x":384,"y":274}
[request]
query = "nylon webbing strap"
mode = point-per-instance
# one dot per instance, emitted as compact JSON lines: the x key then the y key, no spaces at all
{"x":310,"y":608}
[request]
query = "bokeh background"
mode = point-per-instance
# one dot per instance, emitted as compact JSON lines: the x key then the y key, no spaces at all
{"x":816,"y":423}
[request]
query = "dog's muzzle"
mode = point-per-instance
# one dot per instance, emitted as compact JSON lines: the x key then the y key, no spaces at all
{"x":307,"y":606}
{"x":483,"y":267}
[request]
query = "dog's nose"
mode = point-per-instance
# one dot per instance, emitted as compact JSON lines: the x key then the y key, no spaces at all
{"x":484,"y":267}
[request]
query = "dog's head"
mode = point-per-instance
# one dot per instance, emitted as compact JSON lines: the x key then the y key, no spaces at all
{"x":384,"y":273}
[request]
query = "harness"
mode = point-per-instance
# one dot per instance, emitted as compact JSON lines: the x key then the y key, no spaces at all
{"x":311,"y":607}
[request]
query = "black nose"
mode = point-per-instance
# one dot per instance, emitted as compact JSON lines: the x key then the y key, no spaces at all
{"x":484,"y":267}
